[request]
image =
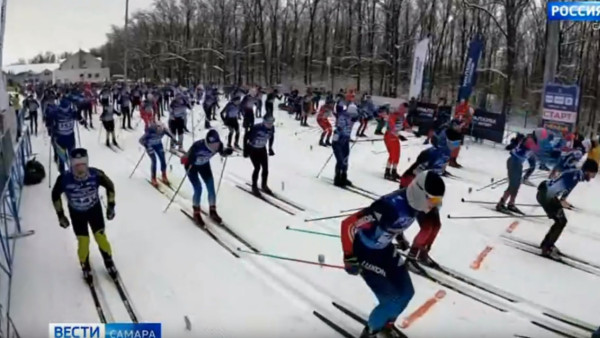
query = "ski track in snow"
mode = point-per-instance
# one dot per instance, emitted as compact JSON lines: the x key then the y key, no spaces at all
{"x":172,"y":269}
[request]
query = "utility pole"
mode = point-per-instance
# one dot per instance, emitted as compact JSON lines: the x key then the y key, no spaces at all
{"x":126,"y":40}
{"x":551,"y":62}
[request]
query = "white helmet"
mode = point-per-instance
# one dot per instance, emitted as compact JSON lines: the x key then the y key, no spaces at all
{"x":426,"y":191}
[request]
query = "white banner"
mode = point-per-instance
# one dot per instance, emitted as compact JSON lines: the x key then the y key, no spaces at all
{"x":560,"y":116}
{"x":416,"y":79}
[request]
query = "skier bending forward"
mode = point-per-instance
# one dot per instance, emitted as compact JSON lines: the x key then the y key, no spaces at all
{"x":368,"y":249}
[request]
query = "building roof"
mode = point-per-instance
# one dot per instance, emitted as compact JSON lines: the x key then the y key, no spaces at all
{"x":34,"y":68}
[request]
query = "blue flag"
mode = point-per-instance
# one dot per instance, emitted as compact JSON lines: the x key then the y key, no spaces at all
{"x":469,"y":75}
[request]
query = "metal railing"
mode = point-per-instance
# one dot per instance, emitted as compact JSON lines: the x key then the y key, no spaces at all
{"x":14,"y":156}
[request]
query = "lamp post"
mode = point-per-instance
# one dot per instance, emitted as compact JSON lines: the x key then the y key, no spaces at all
{"x":126,"y":40}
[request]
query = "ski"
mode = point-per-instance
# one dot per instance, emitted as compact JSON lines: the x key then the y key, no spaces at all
{"x":333,"y":325}
{"x":210,"y":234}
{"x":565,"y":260}
{"x":283,"y":199}
{"x":21,"y":234}
{"x":419,"y":270}
{"x":266,"y":200}
{"x":232,"y":233}
{"x":356,"y":190}
{"x":494,"y":203}
{"x":125,"y":298}
{"x":113,"y":149}
{"x":361,"y":320}
{"x":96,"y":299}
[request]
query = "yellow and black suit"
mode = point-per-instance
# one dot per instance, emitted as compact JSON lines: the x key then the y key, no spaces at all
{"x":85,"y":208}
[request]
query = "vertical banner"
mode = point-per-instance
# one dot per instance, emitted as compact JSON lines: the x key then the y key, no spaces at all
{"x":469,"y":75}
{"x":416,"y":79}
{"x":561,"y":104}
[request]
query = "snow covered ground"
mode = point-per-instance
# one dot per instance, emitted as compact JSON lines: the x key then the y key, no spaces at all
{"x":174,"y":271}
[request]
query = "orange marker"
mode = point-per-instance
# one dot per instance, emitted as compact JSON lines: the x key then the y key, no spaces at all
{"x":477,"y":262}
{"x":422,"y":310}
{"x":512,"y":227}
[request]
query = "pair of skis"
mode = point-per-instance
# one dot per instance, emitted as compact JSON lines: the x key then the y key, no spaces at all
{"x":352,"y":315}
{"x":568,"y":260}
{"x":247,"y":188}
{"x":357,"y":190}
{"x":122,"y":294}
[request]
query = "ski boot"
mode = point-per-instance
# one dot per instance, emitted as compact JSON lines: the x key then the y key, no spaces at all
{"x":165,"y":179}
{"x":426,"y":260}
{"x":198,"y":217}
{"x":255,"y":190}
{"x":513,"y":208}
{"x":237,"y":146}
{"x":321,"y":142}
{"x":500,"y":207}
{"x":395,"y":176}
{"x":328,"y":141}
{"x":526,"y":181}
{"x":87,"y":272}
{"x":337,"y":179}
{"x":388,"y":174}
{"x":454,"y":164}
{"x":114,"y":142}
{"x":111,"y":268}
{"x":154,"y":182}
{"x":266,"y":189}
{"x":214,"y":216}
{"x":180,"y":148}
{"x":107,"y":143}
{"x":344,"y":179}
{"x":551,"y":252}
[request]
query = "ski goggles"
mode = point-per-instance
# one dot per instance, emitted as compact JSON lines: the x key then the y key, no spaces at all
{"x":434,"y":200}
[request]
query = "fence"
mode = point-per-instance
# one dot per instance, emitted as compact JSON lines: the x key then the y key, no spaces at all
{"x":13,"y":156}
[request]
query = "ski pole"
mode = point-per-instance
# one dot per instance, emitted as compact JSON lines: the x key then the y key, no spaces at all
{"x":326,"y":217}
{"x":50,"y":163}
{"x":500,"y":181}
{"x":78,"y":135}
{"x":178,"y":188}
{"x":324,"y":165}
{"x":193,"y":128}
{"x":311,"y":232}
{"x":353,"y":209}
{"x":290,"y":259}
{"x":221,"y":177}
{"x":137,"y":164}
{"x":491,"y":202}
{"x":495,"y":216}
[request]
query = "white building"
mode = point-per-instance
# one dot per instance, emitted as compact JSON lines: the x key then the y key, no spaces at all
{"x":81,"y":67}
{"x":31,"y":73}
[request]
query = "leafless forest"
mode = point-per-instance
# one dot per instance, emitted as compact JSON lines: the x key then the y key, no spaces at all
{"x":364,"y":44}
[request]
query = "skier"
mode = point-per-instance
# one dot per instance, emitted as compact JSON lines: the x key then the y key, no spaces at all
{"x":248,"y":103}
{"x":552,"y":196}
{"x":463,"y":114}
{"x":81,"y":185}
{"x":323,"y":116}
{"x":178,"y":119}
{"x":255,"y":142}
{"x":514,"y":165}
{"x":368,"y":249}
{"x":381,"y":117}
{"x":197,"y":163}
{"x":306,"y":106}
{"x":147,"y":110}
{"x":392,"y":138}
{"x":230,"y":116}
{"x":152,"y":142}
{"x":434,"y":158}
{"x":346,"y":117}
{"x":210,"y":103}
{"x":85,"y":106}
{"x":32,"y":106}
{"x":108,"y":121}
{"x":60,"y":122}
{"x":568,"y":160}
{"x":366,"y":111}
{"x":274,"y":94}
{"x":125,"y":107}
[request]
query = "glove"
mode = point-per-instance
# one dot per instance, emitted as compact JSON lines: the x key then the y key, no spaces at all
{"x":63,"y":221}
{"x":227,"y":151}
{"x":110,"y":212}
{"x":402,"y":138}
{"x":351,"y":265}
{"x":271,"y":152}
{"x":403,"y":244}
{"x":566,"y":204}
{"x":184,"y":161}
{"x":246,"y":152}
